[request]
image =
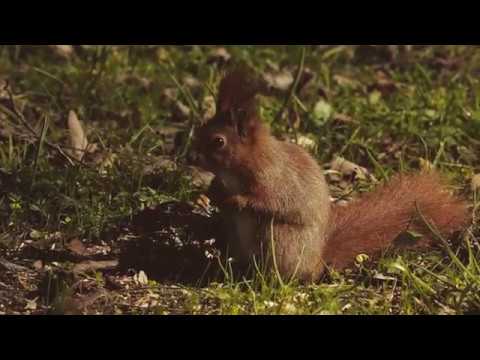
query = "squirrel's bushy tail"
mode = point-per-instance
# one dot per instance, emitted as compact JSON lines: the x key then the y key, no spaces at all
{"x":373,"y":223}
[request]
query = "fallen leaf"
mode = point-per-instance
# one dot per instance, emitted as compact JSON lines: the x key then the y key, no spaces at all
{"x":219,"y":56}
{"x":31,"y":304}
{"x":105,"y":160}
{"x":76,"y":247}
{"x":94,"y":266}
{"x":209,"y":108}
{"x":191,"y":82}
{"x":426,"y":165}
{"x":343,"y":119}
{"x":78,"y":139}
{"x":348,"y":168}
{"x":9,"y":266}
{"x":345,"y":81}
{"x":141,"y":278}
{"x":383,"y":277}
{"x":76,"y":306}
{"x":169,"y":94}
{"x":162,"y":54}
{"x":64,"y":51}
{"x":281,"y":80}
{"x":476,"y":182}
{"x":181,"y":111}
{"x":38,"y":265}
{"x":306,"y":143}
{"x":200,"y":178}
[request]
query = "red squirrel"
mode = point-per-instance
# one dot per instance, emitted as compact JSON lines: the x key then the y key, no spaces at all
{"x":263,"y":184}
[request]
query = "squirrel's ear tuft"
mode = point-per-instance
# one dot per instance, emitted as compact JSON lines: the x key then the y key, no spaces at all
{"x":238,"y":90}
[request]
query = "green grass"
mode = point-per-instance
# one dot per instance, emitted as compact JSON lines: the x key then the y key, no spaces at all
{"x":429,"y":110}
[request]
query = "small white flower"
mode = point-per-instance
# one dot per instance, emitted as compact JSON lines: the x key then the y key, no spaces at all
{"x":270,"y":304}
{"x":210,"y":242}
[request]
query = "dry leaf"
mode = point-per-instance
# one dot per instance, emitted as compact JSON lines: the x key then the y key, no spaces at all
{"x":78,"y":139}
{"x":209,"y":108}
{"x":344,"y":81}
{"x":191,"y":82}
{"x":64,"y":51}
{"x":203,"y":202}
{"x":306,"y":143}
{"x":162,"y":54}
{"x":31,"y":304}
{"x":76,"y":306}
{"x":77,"y":247}
{"x":348,"y":168}
{"x":476,"y":182}
{"x":141,"y":278}
{"x":219,"y":56}
{"x":9,"y":266}
{"x":344,"y":119}
{"x":169,"y":95}
{"x":426,"y":165}
{"x":181,"y":110}
{"x":105,"y":160}
{"x":3,"y":86}
{"x":200,"y":178}
{"x":38,"y":265}
{"x":94,"y":266}
{"x":281,"y":80}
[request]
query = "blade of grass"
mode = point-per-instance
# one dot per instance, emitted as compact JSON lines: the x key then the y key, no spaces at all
{"x":40,"y":143}
{"x":293,"y":89}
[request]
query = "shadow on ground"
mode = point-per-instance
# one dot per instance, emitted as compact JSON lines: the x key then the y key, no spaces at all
{"x":173,"y":243}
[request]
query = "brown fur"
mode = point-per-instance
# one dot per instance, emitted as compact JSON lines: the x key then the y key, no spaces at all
{"x":262,"y":184}
{"x":372,"y":223}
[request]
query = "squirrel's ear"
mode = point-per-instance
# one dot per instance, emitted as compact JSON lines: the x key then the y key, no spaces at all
{"x":237,"y":99}
{"x":237,"y":91}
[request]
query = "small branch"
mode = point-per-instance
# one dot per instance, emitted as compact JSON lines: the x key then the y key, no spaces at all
{"x":32,"y":131}
{"x":294,"y":87}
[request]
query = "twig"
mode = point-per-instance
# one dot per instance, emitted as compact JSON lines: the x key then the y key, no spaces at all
{"x":40,"y":143}
{"x":434,"y":231}
{"x":7,"y":265}
{"x":25,"y":123}
{"x":193,"y":107}
{"x":293,"y":89}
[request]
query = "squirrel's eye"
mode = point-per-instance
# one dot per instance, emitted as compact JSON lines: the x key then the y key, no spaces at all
{"x":218,"y":143}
